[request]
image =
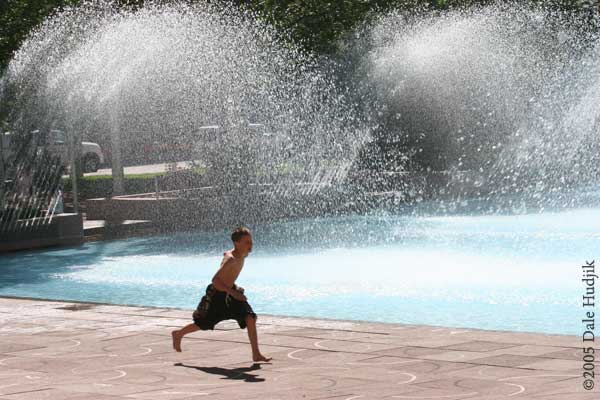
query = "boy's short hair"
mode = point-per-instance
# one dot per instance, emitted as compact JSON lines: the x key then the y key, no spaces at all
{"x":239,"y":233}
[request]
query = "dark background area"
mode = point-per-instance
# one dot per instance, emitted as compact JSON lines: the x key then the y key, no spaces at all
{"x":320,"y":28}
{"x":314,"y":24}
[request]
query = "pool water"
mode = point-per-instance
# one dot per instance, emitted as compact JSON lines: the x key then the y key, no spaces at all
{"x":507,"y":272}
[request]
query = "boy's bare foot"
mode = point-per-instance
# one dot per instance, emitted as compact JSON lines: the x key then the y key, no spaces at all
{"x":176,"y":341}
{"x":260,"y":357}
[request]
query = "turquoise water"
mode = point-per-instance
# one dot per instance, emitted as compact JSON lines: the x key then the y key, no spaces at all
{"x":507,"y":272}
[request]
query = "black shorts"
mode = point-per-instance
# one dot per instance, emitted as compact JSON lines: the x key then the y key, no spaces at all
{"x":216,"y":306}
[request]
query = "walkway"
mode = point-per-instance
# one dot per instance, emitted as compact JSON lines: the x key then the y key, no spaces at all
{"x":64,"y":350}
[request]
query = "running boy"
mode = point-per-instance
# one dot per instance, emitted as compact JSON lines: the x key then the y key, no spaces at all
{"x":224,"y":299}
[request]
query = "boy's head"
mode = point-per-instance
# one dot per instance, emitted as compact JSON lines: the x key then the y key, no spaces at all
{"x":242,"y":239}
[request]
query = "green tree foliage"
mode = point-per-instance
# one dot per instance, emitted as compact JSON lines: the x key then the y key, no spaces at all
{"x":18,"y":17}
{"x":315,"y":24}
{"x":318,"y":24}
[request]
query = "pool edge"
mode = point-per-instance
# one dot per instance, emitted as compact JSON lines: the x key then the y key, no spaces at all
{"x":458,"y":328}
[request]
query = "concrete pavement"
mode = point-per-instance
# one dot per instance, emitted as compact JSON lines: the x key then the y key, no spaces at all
{"x":64,"y":350}
{"x":143,"y":169}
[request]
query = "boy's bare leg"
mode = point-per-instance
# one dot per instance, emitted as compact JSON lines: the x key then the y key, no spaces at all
{"x":177,"y":335}
{"x":253,"y":336}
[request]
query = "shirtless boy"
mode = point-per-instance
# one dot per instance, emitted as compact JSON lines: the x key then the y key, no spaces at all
{"x":224,"y":299}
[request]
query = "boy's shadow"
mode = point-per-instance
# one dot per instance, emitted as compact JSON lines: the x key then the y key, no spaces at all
{"x":229,"y":373}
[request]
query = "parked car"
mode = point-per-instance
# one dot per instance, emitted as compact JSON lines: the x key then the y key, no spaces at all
{"x":55,"y":141}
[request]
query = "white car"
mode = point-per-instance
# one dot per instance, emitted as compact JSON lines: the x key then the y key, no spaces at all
{"x":55,"y":141}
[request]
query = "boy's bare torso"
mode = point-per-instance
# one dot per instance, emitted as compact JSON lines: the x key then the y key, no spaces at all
{"x":230,"y":268}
